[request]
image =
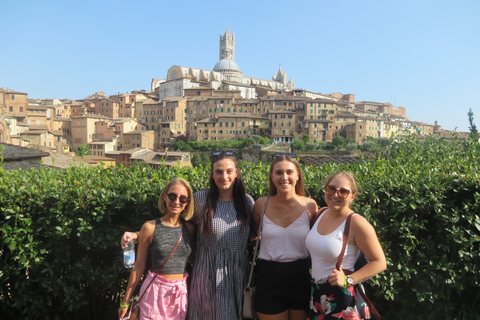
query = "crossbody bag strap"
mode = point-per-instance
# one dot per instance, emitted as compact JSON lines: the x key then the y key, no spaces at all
{"x":257,"y":241}
{"x":358,"y":288}
{"x":345,"y":240}
{"x":164,"y":262}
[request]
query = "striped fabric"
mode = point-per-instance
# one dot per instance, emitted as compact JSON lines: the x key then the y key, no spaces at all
{"x":221,"y":262}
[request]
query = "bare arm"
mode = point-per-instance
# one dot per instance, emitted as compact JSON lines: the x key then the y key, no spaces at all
{"x":146,"y":235}
{"x":312,"y":209}
{"x":366,"y":239}
{"x":256,"y":215}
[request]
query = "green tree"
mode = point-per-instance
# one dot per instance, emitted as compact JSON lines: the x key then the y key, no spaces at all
{"x":339,"y":142}
{"x":306,"y":138}
{"x":83,"y":150}
{"x":472,"y":127}
{"x":297,"y":145}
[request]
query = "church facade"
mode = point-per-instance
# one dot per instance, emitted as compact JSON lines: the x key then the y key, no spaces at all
{"x":226,"y":75}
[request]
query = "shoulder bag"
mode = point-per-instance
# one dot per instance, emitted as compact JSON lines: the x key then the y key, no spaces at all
{"x":249,"y":291}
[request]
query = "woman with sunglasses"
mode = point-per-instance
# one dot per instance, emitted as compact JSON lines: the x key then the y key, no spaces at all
{"x":164,"y":295}
{"x":222,"y":217}
{"x":332,"y":290}
{"x":283,"y":277}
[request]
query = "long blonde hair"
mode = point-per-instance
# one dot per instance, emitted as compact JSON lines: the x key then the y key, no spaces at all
{"x":187,"y":213}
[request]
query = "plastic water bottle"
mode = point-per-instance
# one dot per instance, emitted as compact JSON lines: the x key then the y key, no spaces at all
{"x":129,"y":254}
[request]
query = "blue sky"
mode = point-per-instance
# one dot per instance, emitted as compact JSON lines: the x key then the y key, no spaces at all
{"x":423,"y":55}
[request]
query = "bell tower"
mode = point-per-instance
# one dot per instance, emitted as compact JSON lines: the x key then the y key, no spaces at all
{"x":227,"y":46}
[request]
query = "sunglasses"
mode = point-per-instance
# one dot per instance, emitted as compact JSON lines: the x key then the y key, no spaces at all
{"x":279,"y":154}
{"x":342,"y":192}
{"x":219,"y":153}
{"x":173,"y":196}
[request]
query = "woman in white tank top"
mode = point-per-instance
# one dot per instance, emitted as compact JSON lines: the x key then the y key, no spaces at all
{"x":283,"y":278}
{"x":332,"y":291}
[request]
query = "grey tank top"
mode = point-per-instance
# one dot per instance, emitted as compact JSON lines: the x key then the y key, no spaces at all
{"x":164,"y":239}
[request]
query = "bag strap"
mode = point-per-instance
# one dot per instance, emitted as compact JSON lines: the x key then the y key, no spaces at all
{"x":164,"y":262}
{"x":359,"y":289}
{"x":317,"y":215}
{"x":345,"y":240}
{"x":257,"y":241}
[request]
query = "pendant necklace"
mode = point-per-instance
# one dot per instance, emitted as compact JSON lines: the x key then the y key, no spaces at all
{"x":286,"y":215}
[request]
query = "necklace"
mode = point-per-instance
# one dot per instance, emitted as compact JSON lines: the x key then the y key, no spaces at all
{"x":174,"y":224}
{"x":286,"y":215}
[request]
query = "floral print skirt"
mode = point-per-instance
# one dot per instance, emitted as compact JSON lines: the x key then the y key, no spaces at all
{"x":332,"y":302}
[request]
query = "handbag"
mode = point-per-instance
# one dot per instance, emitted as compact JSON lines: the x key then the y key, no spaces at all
{"x":358,"y":288}
{"x":134,"y":311}
{"x":249,"y":291}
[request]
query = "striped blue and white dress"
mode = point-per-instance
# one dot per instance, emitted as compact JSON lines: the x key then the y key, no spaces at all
{"x":221,"y":267}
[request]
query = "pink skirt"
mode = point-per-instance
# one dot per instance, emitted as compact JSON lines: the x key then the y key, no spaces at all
{"x":164,"y":300}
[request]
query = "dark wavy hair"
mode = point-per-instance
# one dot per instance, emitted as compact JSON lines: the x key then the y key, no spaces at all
{"x":239,"y":197}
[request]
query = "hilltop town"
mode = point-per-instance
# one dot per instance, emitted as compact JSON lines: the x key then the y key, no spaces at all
{"x":201,"y":105}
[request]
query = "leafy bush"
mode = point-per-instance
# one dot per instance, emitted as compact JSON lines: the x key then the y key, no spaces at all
{"x":351,"y":147}
{"x":60,"y":230}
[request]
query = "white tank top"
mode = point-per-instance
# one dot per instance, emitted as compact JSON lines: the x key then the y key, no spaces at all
{"x":284,"y":244}
{"x":325,"y":250}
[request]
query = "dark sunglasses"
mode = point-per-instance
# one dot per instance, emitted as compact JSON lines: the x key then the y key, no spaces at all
{"x":342,"y":192}
{"x":173,"y":196}
{"x":279,"y":154}
{"x":219,"y":153}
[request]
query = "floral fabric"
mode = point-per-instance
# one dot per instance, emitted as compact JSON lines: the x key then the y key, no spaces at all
{"x":332,"y":302}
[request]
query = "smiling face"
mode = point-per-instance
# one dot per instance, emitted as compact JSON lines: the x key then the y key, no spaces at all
{"x":224,"y":173}
{"x":175,"y":207}
{"x":336,"y":200}
{"x":284,"y":176}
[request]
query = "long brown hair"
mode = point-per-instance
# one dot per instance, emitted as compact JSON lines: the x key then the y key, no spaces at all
{"x":239,"y":197}
{"x":299,"y":187}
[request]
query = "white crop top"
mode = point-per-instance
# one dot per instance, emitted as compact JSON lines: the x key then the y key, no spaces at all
{"x":284,"y":244}
{"x":325,"y":250}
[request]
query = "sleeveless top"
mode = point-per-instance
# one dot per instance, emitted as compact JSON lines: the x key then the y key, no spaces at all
{"x":284,"y":244}
{"x":325,"y":250}
{"x":164,"y":239}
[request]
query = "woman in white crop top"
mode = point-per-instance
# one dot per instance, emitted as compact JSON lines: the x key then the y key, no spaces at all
{"x":332,"y":291}
{"x":283,"y":277}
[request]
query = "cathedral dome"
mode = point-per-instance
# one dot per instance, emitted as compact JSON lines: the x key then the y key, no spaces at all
{"x":226,"y":65}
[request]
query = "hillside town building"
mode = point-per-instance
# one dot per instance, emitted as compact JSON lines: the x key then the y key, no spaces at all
{"x":201,"y":105}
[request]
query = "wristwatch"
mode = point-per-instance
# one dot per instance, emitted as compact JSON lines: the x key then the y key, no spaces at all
{"x":349,"y":281}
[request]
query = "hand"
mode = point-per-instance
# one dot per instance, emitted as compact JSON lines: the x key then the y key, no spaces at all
{"x":337,"y":278}
{"x":125,"y":241}
{"x":122,"y":312}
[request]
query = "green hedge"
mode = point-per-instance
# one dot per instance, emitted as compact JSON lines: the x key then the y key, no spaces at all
{"x":60,"y":230}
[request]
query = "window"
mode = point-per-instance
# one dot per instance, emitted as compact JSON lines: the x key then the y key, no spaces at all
{"x":13,"y":97}
{"x":21,"y":109}
{"x":10,"y":108}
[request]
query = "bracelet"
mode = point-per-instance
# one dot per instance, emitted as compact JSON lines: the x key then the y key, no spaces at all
{"x":121,"y":305}
{"x":345,"y":284}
